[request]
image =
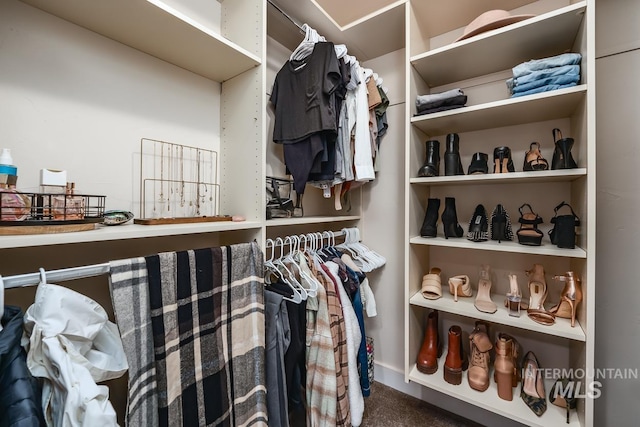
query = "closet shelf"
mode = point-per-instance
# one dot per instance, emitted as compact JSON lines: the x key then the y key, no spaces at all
{"x":123,"y":232}
{"x":464,"y":307}
{"x":156,"y":28}
{"x":515,"y":410}
{"x":281,"y":222}
{"x":491,"y":245}
{"x":505,"y":112}
{"x":561,"y":175}
{"x":538,"y":37}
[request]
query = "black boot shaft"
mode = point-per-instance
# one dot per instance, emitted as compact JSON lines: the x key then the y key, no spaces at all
{"x":429,"y":225}
{"x":431,"y":166}
{"x":452,"y":162}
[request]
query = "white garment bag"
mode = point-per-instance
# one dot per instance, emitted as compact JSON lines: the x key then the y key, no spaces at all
{"x":72,"y":345}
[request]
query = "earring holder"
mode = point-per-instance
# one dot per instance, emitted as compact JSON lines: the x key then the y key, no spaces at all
{"x":184,"y":174}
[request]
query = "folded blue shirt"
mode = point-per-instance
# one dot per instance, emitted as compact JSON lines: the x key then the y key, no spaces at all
{"x":562,"y":79}
{"x":550,"y":62}
{"x":541,"y":74}
{"x":540,"y":89}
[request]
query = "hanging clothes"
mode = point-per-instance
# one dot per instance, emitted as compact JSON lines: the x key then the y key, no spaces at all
{"x":20,"y":399}
{"x":71,"y":350}
{"x":277,"y":339}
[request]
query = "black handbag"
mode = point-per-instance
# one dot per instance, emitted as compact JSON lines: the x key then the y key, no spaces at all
{"x":279,"y":202}
{"x":563,"y":233}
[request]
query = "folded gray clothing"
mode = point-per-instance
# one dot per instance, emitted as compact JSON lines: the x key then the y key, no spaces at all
{"x":427,"y":101}
{"x":457,"y":101}
{"x":438,"y":109}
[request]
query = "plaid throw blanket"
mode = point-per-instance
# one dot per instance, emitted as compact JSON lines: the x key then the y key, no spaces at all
{"x":193,"y":322}
{"x":207,"y":316}
{"x":130,"y":299}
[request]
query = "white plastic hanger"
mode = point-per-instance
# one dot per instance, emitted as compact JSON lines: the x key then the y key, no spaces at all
{"x":293,"y":258}
{"x":1,"y":301}
{"x":288,"y":275}
{"x":272,"y":269}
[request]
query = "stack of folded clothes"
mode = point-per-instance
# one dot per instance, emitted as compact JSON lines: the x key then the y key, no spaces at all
{"x":454,"y":98}
{"x":542,"y":75}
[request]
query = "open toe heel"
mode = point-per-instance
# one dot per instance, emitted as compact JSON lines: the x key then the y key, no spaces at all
{"x":533,"y":160}
{"x":528,"y":233}
{"x":502,"y":162}
{"x":538,"y":295}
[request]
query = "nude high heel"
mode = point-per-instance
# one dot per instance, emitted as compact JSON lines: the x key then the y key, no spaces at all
{"x":538,"y":295}
{"x":483,"y":297}
{"x":460,"y":285}
{"x":570,"y":299}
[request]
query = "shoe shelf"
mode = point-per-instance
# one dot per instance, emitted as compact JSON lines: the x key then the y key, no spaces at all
{"x":491,"y":245}
{"x":124,"y":232}
{"x":156,"y":28}
{"x":505,"y":112}
{"x":465,"y":307}
{"x":515,"y":410}
{"x":280,"y":222}
{"x":560,"y":175}
{"x":543,"y":35}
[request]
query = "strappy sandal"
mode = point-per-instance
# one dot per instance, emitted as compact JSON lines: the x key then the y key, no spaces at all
{"x":483,"y":297}
{"x":460,"y":286}
{"x":432,"y":284}
{"x":528,"y":233}
{"x":533,"y":160}
{"x":538,"y":295}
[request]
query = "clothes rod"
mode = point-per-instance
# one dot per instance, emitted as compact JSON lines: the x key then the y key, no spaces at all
{"x":52,"y":276}
{"x":286,"y":15}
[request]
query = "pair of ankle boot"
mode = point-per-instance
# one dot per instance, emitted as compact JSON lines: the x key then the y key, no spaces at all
{"x":431,"y":350}
{"x":449,"y":219}
{"x":452,"y":162}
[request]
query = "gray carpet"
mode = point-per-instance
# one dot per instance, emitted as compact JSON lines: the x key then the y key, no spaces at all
{"x":388,"y":407}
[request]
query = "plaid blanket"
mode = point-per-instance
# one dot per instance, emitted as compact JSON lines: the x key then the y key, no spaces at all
{"x":130,"y":300}
{"x":207,"y":316}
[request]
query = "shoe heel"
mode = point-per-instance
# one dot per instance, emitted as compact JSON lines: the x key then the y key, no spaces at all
{"x":453,"y":376}
{"x":504,"y":381}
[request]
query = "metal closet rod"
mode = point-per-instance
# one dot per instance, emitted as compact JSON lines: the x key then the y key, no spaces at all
{"x":285,"y":15}
{"x":30,"y":279}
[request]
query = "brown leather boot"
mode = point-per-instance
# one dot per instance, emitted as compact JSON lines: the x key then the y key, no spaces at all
{"x":427,"y":361}
{"x":506,"y":366}
{"x":453,"y":362}
{"x":480,"y":344}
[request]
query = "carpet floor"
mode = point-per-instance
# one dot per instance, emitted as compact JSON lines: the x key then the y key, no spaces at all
{"x":387,"y":407}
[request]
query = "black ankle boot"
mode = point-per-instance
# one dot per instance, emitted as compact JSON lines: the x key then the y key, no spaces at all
{"x":479,"y":164}
{"x":562,"y":158}
{"x":430,"y":219}
{"x":452,"y":162}
{"x":431,"y":166}
{"x":450,"y":219}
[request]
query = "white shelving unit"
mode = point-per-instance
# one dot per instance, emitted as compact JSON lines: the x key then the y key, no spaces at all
{"x":480,"y":65}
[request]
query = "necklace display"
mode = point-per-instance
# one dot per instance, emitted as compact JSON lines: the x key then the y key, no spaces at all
{"x":187,"y":177}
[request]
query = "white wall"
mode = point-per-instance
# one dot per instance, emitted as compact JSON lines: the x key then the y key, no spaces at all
{"x":74,"y":100}
{"x":618,"y":204}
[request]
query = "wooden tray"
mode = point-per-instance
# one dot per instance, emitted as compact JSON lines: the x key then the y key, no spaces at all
{"x":187,"y":220}
{"x":45,"y":229}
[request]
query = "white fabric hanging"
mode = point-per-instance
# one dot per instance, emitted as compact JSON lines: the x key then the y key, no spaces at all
{"x":72,"y":345}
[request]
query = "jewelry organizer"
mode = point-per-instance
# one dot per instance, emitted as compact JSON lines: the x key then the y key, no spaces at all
{"x":178,"y":184}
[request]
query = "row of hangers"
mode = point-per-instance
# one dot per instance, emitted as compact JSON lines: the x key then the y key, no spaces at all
{"x":292,"y":270}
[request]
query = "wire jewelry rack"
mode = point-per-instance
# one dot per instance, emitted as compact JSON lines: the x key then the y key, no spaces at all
{"x":178,"y":184}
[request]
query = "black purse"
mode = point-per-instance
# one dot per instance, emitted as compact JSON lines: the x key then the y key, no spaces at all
{"x":563,"y":233}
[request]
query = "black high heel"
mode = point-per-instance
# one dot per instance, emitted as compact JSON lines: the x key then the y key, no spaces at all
{"x":562,"y":157}
{"x":479,"y":225}
{"x":501,"y":224}
{"x":478,"y":164}
{"x":528,"y":233}
{"x":563,"y":233}
{"x":450,"y":219}
{"x":502,"y":161}
{"x":429,"y":228}
{"x":452,"y":162}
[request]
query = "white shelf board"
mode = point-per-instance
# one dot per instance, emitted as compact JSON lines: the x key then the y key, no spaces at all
{"x":505,"y":112}
{"x":504,"y":246}
{"x":559,"y":175}
{"x":464,"y":307}
{"x":541,"y":36}
{"x":154,"y":27}
{"x":123,"y":232}
{"x":281,"y":222}
{"x":515,"y":410}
